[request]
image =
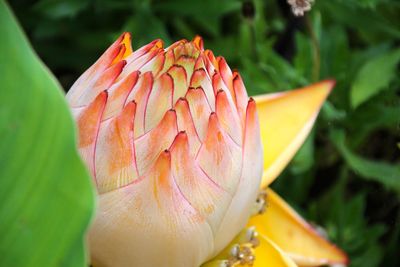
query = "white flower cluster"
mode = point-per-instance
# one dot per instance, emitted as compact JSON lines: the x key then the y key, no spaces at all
{"x":300,"y":6}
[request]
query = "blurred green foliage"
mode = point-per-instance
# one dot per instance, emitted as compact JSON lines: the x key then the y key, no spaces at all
{"x":347,"y":176}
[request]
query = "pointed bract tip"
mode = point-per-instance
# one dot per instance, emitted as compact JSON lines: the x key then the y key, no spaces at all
{"x":126,"y":41}
{"x":126,"y":35}
{"x":158,"y":43}
{"x":198,"y":42}
{"x":330,"y":82}
{"x":213,"y":116}
{"x":328,"y":85}
{"x":104,"y":93}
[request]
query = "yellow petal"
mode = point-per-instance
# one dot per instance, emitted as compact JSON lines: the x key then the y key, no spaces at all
{"x":285,"y":121}
{"x":294,"y":235}
{"x":268,"y":254}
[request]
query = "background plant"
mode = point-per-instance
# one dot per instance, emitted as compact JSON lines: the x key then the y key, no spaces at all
{"x":347,"y":175}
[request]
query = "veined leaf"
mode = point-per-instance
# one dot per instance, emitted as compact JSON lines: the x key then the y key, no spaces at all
{"x":46,"y":198}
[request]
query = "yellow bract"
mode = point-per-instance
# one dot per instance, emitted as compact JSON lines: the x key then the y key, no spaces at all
{"x":269,"y":254}
{"x":282,"y":225}
{"x":285,"y":121}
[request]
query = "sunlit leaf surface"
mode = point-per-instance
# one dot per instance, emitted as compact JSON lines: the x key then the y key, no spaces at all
{"x":46,"y":198}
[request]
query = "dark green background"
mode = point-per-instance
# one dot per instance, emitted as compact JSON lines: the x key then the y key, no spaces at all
{"x":346,"y":177}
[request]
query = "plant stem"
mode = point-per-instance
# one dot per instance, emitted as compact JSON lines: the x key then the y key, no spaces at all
{"x":315,"y":50}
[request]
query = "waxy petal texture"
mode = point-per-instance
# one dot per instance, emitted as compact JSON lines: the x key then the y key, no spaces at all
{"x":174,"y":147}
{"x":286,"y":120}
{"x":298,"y":239}
{"x":219,"y":157}
{"x":149,"y":223}
{"x":115,"y":154}
{"x":207,"y":197}
{"x":247,"y":189}
{"x":88,"y":119}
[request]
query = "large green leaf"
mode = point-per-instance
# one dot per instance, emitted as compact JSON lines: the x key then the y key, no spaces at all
{"x":46,"y":197}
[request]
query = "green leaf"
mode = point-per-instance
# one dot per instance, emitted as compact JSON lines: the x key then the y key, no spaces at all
{"x":46,"y":196}
{"x":56,"y":9}
{"x":364,"y":20}
{"x":360,"y":123}
{"x":346,"y":222}
{"x":205,"y":9}
{"x":382,"y":172}
{"x":304,"y":158}
{"x":374,"y":76}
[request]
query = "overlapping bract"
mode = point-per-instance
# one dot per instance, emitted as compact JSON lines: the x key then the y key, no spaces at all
{"x":174,"y":146}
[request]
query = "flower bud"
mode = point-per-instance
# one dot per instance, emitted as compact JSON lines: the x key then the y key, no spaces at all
{"x":173,"y":145}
